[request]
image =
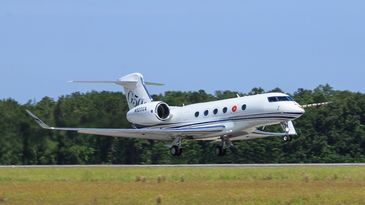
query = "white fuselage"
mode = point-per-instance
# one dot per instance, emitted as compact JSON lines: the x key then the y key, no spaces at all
{"x":239,"y":115}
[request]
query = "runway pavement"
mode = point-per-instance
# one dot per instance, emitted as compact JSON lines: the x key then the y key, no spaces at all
{"x":189,"y":165}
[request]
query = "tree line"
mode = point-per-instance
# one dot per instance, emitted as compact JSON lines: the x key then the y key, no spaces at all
{"x":331,"y":133}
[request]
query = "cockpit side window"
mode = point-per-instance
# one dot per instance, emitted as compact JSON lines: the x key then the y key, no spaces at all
{"x":280,"y":98}
{"x":272,"y":99}
{"x":290,"y":98}
{"x":283,"y":98}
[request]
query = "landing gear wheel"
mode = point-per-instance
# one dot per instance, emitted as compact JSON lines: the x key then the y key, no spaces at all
{"x":220,"y":151}
{"x":175,"y":151}
{"x":287,"y":138}
{"x":179,"y":152}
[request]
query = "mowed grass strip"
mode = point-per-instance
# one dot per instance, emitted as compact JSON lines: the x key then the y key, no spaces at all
{"x":183,"y":185}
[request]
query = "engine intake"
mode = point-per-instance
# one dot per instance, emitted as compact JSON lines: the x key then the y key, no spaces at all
{"x":163,"y":111}
{"x":149,"y":113}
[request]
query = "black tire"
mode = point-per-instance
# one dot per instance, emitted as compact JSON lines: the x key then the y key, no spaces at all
{"x":175,"y":151}
{"x":180,"y":150}
{"x":287,"y":138}
{"x":218,"y":150}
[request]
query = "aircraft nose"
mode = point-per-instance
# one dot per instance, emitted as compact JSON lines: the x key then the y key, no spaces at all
{"x":299,"y":109}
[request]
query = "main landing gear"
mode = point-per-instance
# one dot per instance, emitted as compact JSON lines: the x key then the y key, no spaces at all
{"x":221,"y":149}
{"x":176,"y":149}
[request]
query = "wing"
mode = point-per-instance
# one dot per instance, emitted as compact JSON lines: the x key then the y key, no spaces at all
{"x":315,"y":105}
{"x":156,"y":134}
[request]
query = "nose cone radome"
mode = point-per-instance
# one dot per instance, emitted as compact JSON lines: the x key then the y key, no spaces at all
{"x":299,"y":110}
{"x":296,"y":109}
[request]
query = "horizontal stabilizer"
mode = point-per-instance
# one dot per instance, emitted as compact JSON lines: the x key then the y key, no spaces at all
{"x":92,"y":81}
{"x":113,"y":82}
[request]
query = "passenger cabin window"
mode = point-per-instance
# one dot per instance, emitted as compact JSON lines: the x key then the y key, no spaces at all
{"x":279,"y":98}
{"x":206,"y":112}
{"x":244,"y":107}
{"x":215,"y":111}
{"x":225,"y":109}
{"x":196,"y":114}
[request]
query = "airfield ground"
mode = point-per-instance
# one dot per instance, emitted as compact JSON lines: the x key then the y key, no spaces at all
{"x":183,"y":185}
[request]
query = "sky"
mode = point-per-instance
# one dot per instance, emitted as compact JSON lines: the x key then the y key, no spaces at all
{"x":187,"y":45}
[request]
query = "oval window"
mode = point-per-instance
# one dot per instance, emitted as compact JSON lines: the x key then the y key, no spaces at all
{"x":215,"y":111}
{"x":206,"y":112}
{"x":197,"y":114}
{"x":244,"y":107}
{"x":225,"y":109}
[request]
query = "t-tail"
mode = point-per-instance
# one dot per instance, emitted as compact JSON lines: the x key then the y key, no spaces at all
{"x":134,"y":88}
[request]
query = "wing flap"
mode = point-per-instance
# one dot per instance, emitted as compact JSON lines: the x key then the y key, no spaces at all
{"x":258,"y":134}
{"x":162,"y":134}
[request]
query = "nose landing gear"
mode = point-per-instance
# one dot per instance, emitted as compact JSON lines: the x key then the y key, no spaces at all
{"x":289,"y":130}
{"x":287,"y":138}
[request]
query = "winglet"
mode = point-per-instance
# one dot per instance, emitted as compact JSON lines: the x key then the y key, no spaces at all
{"x":115,"y":82}
{"x":38,"y":121}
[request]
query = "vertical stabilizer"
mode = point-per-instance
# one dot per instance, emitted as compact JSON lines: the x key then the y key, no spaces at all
{"x":134,"y":89}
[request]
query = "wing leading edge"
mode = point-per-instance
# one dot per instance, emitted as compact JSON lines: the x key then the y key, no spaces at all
{"x":146,"y":133}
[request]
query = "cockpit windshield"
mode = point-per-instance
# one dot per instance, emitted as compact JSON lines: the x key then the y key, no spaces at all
{"x":280,"y":98}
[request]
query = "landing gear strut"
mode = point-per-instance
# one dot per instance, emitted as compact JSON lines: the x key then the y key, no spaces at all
{"x":287,"y":137}
{"x":176,"y":149}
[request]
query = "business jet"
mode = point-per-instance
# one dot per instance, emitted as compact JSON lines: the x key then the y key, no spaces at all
{"x":224,"y":121}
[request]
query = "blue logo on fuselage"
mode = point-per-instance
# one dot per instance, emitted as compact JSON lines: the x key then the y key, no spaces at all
{"x":134,"y":99}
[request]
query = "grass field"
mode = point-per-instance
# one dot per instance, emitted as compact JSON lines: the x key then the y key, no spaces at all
{"x":183,"y":185}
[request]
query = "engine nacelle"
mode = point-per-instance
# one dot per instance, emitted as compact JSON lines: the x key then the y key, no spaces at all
{"x":152,"y":113}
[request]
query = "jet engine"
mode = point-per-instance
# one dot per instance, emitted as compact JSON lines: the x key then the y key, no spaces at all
{"x":152,"y":113}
